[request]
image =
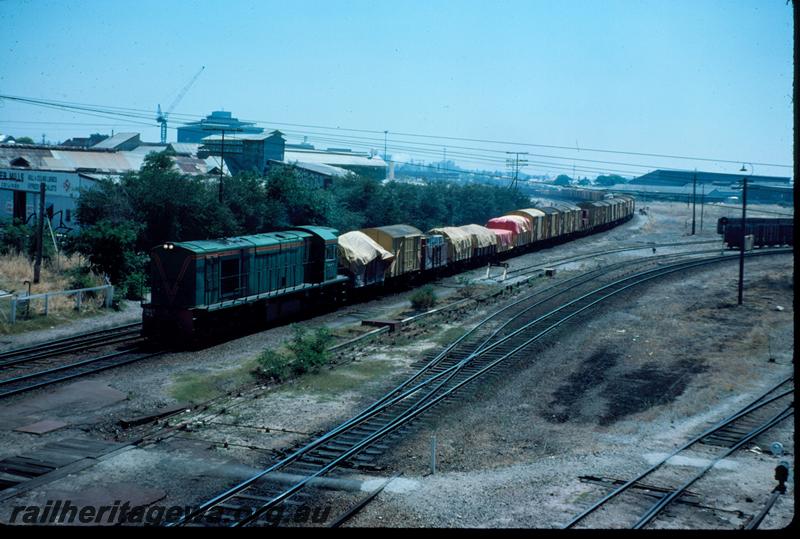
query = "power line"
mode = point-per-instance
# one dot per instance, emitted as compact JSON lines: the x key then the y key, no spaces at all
{"x":142,"y":114}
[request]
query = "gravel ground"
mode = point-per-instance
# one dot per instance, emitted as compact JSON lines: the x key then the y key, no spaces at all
{"x":130,"y":312}
{"x":531,"y":442}
{"x":510,"y":455}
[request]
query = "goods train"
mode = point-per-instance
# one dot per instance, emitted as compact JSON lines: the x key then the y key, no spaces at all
{"x":766,"y":232}
{"x":203,"y":287}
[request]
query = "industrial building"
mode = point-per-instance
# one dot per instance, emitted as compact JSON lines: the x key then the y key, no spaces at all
{"x":217,"y":121}
{"x":712,"y":186}
{"x":65,"y":171}
{"x":257,"y":153}
{"x":684,"y":177}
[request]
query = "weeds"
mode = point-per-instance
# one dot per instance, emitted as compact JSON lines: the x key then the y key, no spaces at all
{"x":306,"y":352}
{"x":424,"y":298}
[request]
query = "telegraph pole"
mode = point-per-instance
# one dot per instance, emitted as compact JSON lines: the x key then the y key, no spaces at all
{"x":37,"y":266}
{"x":741,"y":251}
{"x":222,"y":128}
{"x":744,"y":221}
{"x":702,"y":206}
{"x":694,"y":200}
{"x":515,"y":165}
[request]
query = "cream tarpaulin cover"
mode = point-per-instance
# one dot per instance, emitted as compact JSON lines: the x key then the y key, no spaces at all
{"x":358,"y":250}
{"x":482,"y":236}
{"x":459,"y":242}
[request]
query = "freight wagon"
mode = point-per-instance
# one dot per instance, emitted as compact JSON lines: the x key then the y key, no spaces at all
{"x":766,"y":232}
{"x":200,"y":287}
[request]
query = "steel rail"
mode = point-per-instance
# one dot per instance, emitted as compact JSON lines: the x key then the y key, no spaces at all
{"x":582,"y":279}
{"x":389,"y":399}
{"x":122,"y":336}
{"x":754,"y":405}
{"x":582,"y":256}
{"x":77,"y":365}
{"x":413,"y":412}
{"x":66,"y":341}
{"x":661,"y":504}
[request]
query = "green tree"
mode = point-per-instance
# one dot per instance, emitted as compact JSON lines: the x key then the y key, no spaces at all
{"x":109,"y":248}
{"x":611,"y":179}
{"x":562,"y":179}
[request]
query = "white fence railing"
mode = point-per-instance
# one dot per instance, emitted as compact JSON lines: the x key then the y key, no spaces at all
{"x":19,"y":301}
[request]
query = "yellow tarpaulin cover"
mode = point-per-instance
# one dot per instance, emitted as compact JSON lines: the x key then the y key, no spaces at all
{"x":358,"y":250}
{"x":482,"y":236}
{"x":459,"y":242}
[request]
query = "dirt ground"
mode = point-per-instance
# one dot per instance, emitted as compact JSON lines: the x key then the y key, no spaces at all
{"x":512,"y":451}
{"x":635,"y":381}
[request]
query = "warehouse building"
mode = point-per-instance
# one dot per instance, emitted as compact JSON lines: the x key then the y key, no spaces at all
{"x":685,"y":177}
{"x":257,"y":153}
{"x":217,"y":121}
{"x":66,"y":171}
{"x":711,"y":186}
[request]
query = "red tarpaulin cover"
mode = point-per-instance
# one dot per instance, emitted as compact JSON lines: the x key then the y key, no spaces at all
{"x":514,"y":223}
{"x":505,"y":238}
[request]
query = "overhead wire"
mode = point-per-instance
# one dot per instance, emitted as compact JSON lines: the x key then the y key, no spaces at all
{"x":130,"y":112}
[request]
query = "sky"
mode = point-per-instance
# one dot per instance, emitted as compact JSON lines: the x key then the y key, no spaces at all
{"x":706,"y":79}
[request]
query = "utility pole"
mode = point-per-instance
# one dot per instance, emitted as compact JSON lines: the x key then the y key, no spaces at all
{"x":741,"y":251}
{"x":221,"y":166}
{"x":515,"y":165}
{"x":702,"y":206}
{"x":37,"y":266}
{"x":385,"y":139}
{"x":694,"y":199}
{"x":222,"y":128}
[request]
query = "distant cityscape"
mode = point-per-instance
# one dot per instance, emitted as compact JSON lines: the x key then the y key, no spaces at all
{"x":220,"y":143}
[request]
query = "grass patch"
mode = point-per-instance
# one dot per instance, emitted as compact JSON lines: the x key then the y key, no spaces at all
{"x":423,"y":299}
{"x":449,"y":335}
{"x":198,"y":387}
{"x":62,"y":273}
{"x":330,"y":384}
{"x":38,"y":321}
{"x":306,"y":352}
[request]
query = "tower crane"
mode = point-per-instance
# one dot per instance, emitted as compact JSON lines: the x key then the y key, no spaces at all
{"x":162,"y":116}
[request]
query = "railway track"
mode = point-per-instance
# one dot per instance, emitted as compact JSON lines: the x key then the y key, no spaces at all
{"x":71,"y":344}
{"x":68,"y":371}
{"x":526,"y":270}
{"x":493,"y":343}
{"x":719,"y":441}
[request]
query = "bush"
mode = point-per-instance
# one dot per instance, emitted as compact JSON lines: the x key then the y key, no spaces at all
{"x":307,"y":351}
{"x":273,"y":365}
{"x":14,"y":238}
{"x":81,"y":277}
{"x":133,"y":286}
{"x":310,"y":350}
{"x":424,"y":298}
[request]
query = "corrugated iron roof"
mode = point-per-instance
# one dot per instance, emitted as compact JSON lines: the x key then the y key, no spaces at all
{"x":98,"y":162}
{"x":111,"y":143}
{"x":331,"y":158}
